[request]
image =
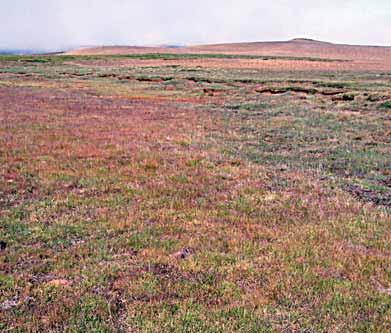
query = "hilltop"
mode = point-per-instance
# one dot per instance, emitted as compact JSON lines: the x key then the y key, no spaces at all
{"x":295,"y":47}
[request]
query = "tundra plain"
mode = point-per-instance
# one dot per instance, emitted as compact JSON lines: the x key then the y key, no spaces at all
{"x":227,"y":188}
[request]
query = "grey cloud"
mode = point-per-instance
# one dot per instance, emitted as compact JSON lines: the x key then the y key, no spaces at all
{"x":57,"y":24}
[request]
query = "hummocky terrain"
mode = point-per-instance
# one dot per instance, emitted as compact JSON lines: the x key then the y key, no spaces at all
{"x":220,"y":188}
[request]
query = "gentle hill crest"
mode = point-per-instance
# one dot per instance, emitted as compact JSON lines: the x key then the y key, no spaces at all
{"x":297,"y":47}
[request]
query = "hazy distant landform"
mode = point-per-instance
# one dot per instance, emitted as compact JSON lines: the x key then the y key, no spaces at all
{"x":252,"y":54}
{"x":20,"y":52}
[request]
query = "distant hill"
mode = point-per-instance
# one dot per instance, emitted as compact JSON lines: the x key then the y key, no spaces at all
{"x":27,"y":52}
{"x":18,"y":52}
{"x":295,"y":47}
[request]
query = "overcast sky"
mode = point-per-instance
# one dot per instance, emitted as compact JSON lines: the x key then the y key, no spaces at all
{"x":58,"y":24}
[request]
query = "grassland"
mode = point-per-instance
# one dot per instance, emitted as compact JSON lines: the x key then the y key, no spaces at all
{"x":185,"y":196}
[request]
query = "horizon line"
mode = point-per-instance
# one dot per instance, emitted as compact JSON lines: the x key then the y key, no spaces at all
{"x":30,"y":50}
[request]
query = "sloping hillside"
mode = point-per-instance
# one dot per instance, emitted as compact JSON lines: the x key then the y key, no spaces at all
{"x":294,"y":47}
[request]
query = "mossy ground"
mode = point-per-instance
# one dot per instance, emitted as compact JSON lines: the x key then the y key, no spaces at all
{"x":180,"y":199}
